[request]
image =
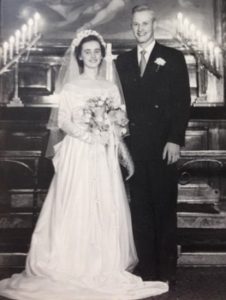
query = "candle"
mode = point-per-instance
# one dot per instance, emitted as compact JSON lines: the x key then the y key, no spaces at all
{"x":30,"y":29}
{"x":192,"y":32}
{"x":217,"y":56}
{"x":36,"y":22}
{"x":5,"y":52}
{"x":180,"y":22}
{"x":24,"y":36}
{"x":186,"y":27}
{"x":204,"y":46}
{"x":11,"y":46}
{"x":17,"y":40}
{"x":211,"y":52}
{"x":198,"y":39}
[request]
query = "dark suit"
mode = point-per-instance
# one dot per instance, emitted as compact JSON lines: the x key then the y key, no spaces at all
{"x":158,"y":110}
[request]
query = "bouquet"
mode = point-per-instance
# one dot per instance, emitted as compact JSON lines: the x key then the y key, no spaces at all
{"x":100,"y":113}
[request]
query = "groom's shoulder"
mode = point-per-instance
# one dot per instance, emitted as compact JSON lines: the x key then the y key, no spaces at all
{"x":170,"y":51}
{"x":126,"y":55}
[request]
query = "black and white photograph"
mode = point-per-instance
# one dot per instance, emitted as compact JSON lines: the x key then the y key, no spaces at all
{"x":112,"y":150}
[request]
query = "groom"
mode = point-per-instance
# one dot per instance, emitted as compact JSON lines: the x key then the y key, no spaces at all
{"x":156,"y":88}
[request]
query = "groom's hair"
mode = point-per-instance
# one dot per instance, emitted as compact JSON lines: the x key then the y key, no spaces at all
{"x":143,"y":7}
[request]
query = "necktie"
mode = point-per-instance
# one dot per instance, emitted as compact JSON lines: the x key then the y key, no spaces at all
{"x":142,"y":62}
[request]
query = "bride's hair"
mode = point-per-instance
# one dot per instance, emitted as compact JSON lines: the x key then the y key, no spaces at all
{"x":78,"y":49}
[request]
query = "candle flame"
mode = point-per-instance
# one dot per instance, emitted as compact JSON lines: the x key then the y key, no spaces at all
{"x":217,"y":50}
{"x":37,"y":16}
{"x":30,"y":22}
{"x":6,"y":45}
{"x":210,"y":44}
{"x":186,"y":22}
{"x":204,"y":39}
{"x":192,"y":27}
{"x":24,"y":27}
{"x":180,"y":16}
{"x":17,"y":33}
{"x":11,"y":39}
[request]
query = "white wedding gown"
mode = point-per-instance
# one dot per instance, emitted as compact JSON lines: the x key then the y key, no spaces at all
{"x":82,"y":246}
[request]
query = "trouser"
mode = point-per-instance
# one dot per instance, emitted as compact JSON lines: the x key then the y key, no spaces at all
{"x":153,"y":191}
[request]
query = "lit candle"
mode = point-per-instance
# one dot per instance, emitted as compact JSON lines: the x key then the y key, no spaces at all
{"x":186,"y":27}
{"x":17,"y":41}
{"x":218,"y":57}
{"x":198,"y":39}
{"x":11,"y":46}
{"x":36,"y":23}
{"x":211,"y":52}
{"x":180,"y":22}
{"x":204,"y":46}
{"x":24,"y":36}
{"x":5,"y":52}
{"x":192,"y":32}
{"x":30,"y":29}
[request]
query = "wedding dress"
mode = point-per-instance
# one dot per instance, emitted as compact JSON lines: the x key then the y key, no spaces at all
{"x":82,"y":246}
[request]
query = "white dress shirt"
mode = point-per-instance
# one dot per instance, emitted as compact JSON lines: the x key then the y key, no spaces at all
{"x":148,"y":50}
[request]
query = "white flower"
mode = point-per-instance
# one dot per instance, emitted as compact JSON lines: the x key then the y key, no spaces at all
{"x":100,"y":102}
{"x":123,"y":107}
{"x":160,"y":61}
{"x":123,"y":131}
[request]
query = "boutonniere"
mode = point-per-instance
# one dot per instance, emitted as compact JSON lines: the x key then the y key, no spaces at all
{"x":160,"y":62}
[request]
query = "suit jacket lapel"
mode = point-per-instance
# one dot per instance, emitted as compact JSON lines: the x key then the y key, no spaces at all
{"x":151,"y":65}
{"x":134,"y":62}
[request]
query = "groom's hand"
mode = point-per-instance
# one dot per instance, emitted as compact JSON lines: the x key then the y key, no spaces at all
{"x":171,"y":152}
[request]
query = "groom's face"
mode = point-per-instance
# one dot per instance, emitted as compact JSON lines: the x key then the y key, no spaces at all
{"x":143,"y":27}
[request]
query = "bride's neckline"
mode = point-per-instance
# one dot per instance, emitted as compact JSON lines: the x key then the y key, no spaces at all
{"x":90,"y":83}
{"x":90,"y":78}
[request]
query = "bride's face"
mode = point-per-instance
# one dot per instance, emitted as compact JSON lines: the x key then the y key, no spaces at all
{"x":91,"y":54}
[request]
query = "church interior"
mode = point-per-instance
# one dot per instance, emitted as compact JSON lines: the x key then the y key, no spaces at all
{"x":30,"y":59}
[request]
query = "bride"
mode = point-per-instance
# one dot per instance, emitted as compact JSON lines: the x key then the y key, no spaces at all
{"x":82,"y":246}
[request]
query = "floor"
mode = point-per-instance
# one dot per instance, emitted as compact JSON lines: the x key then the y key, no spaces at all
{"x":194,"y":284}
{"x":198,"y":284}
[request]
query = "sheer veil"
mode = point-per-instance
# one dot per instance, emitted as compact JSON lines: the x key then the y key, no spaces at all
{"x":68,"y":72}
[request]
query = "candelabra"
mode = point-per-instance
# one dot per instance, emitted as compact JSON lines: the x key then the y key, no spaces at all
{"x":208,"y":55}
{"x":17,"y":46}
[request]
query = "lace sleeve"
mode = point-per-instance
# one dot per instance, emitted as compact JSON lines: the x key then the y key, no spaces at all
{"x":73,"y":128}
